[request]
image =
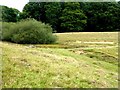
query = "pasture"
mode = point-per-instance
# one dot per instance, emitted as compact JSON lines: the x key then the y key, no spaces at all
{"x":76,"y":60}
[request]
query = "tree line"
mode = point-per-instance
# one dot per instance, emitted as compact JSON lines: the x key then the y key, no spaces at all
{"x":69,"y":16}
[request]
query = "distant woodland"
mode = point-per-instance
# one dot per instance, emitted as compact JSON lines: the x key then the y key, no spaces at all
{"x":69,"y":16}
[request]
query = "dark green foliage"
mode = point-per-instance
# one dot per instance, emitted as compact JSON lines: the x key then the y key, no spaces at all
{"x":29,"y":32}
{"x":52,"y":13}
{"x":34,"y":10}
{"x":119,"y":2}
{"x":102,"y":16}
{"x":72,"y":19}
{"x":45,"y":12}
{"x":73,"y":16}
{"x":9,"y":14}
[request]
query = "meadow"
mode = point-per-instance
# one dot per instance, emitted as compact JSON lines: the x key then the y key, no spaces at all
{"x":76,"y":60}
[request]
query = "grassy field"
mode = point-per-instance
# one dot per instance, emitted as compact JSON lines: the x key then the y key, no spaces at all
{"x":77,"y":60}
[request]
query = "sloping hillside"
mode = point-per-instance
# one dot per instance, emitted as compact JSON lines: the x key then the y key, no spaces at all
{"x":40,"y":66}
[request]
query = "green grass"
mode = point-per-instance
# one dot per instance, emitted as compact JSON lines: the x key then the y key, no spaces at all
{"x":88,"y":36}
{"x":62,"y":65}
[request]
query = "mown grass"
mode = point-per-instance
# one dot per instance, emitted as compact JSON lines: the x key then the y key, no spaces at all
{"x":88,"y":36}
{"x":62,"y":65}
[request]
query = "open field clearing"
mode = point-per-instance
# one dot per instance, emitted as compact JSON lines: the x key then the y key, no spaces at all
{"x":78,"y":60}
{"x":88,"y":36}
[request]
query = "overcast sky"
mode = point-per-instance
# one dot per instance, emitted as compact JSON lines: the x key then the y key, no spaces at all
{"x":18,"y":4}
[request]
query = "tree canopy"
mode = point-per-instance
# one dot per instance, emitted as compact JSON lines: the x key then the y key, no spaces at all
{"x":70,"y":16}
{"x":9,"y":14}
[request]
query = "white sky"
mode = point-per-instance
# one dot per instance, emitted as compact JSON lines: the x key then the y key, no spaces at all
{"x":18,"y":4}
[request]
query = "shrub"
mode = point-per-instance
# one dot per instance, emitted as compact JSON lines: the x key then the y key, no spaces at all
{"x":6,"y":33}
{"x":30,"y":31}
